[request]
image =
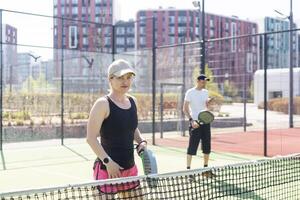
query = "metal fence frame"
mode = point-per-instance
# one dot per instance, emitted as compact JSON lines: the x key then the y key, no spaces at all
{"x":154,"y":80}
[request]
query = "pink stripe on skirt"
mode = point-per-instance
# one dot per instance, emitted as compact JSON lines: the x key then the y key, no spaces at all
{"x":101,"y":174}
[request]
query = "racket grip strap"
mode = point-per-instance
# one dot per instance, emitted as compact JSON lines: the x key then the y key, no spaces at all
{"x":137,"y":146}
{"x":142,"y":142}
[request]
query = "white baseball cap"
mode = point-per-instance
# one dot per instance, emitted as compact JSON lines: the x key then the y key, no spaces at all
{"x":119,"y":68}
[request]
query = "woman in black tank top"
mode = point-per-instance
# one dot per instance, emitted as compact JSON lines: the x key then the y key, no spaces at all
{"x":114,"y":119}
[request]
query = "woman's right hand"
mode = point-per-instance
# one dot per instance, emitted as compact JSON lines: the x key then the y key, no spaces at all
{"x":113,"y":169}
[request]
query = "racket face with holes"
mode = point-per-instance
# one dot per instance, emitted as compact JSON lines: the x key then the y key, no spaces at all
{"x":205,"y":117}
{"x":149,"y":166}
{"x":149,"y":162}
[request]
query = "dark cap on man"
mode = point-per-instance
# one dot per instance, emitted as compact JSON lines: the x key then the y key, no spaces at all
{"x":202,"y":77}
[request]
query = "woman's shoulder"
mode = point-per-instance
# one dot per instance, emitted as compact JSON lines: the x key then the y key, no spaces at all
{"x":131,"y":97}
{"x":101,"y":102}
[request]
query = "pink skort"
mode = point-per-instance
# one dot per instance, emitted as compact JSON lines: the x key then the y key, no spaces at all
{"x":101,"y":174}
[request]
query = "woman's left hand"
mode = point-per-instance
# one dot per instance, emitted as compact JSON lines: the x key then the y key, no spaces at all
{"x":141,"y":146}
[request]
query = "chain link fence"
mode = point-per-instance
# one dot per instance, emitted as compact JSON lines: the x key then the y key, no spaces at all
{"x":52,"y":75}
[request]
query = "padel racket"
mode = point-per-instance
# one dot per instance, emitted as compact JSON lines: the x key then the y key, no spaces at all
{"x":149,"y":161}
{"x":149,"y":166}
{"x":205,"y":117}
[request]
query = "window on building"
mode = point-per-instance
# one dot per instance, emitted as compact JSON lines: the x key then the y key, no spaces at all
{"x":130,"y":30}
{"x":85,"y":41}
{"x":211,"y":33}
{"x":172,"y":40}
{"x":83,"y":10}
{"x":74,"y":11}
{"x":227,"y":26}
{"x":275,"y":94}
{"x":211,"y":23}
{"x":73,"y":37}
{"x":181,"y":30}
{"x":142,"y":40}
{"x":142,"y":20}
{"x":120,"y":41}
{"x":233,"y":34}
{"x":84,"y":31}
{"x":171,"y":30}
{"x":107,"y":40}
{"x":142,"y":30}
{"x":120,"y":30}
{"x":130,"y":41}
{"x":182,"y":19}
{"x":171,"y":19}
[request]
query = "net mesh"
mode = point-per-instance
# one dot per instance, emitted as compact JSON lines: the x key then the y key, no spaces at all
{"x":276,"y":178}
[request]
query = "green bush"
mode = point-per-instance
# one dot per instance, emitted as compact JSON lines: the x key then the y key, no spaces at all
{"x":19,"y":122}
{"x":5,"y":115}
{"x":79,"y":115}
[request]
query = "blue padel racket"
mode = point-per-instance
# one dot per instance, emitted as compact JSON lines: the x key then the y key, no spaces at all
{"x":205,"y":117}
{"x":149,"y":166}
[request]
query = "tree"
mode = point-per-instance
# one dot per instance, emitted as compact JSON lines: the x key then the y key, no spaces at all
{"x":36,"y":85}
{"x":251,"y":90}
{"x":211,"y":85}
{"x":230,"y":90}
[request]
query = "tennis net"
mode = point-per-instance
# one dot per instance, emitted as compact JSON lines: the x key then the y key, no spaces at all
{"x":274,"y":178}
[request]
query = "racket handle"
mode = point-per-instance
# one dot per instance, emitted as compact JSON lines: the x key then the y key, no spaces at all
{"x":140,"y":153}
{"x":199,"y":122}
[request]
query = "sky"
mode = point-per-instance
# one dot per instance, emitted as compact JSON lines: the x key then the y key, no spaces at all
{"x":253,"y":10}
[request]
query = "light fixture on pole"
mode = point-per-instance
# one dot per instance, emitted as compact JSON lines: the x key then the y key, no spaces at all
{"x":291,"y":73}
{"x":201,"y":29}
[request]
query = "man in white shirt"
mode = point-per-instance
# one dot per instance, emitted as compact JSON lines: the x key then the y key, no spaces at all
{"x":196,"y":100}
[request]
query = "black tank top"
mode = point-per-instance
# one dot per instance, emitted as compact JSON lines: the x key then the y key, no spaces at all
{"x":117,"y":133}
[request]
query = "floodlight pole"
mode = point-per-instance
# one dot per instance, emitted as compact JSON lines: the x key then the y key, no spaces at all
{"x":203,"y":41}
{"x":201,"y":31}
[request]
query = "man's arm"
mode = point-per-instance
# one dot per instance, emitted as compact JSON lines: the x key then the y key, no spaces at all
{"x":186,"y":109}
{"x":210,"y":101}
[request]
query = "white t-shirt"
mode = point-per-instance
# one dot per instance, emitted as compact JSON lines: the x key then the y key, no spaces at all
{"x":197,"y":99}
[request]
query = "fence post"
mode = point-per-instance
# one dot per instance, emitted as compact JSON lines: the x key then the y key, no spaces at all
{"x":245,"y":97}
{"x":153,"y":79}
{"x":183,"y":88}
{"x":265,"y":91}
{"x":62,"y":83}
{"x":1,"y":91}
{"x":291,"y":73}
{"x":113,"y":42}
{"x":161,"y":110}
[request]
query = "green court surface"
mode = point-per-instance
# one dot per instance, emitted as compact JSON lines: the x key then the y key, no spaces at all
{"x":46,"y":163}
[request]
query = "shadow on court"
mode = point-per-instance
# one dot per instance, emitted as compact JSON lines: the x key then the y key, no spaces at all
{"x":225,"y":189}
